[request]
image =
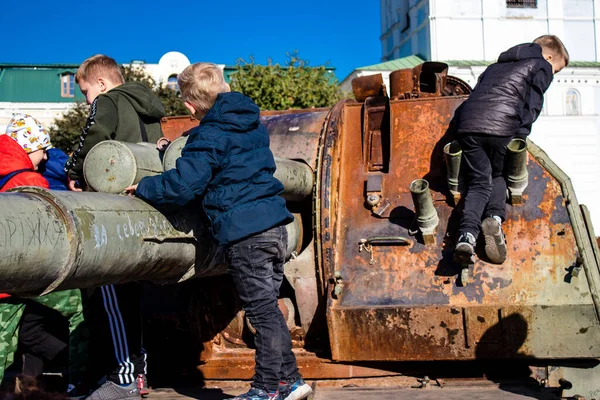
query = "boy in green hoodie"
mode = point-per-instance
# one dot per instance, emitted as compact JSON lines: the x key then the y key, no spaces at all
{"x":129,"y":112}
{"x":119,"y":110}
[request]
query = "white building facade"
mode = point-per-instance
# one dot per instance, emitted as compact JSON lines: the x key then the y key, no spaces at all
{"x":482,"y":29}
{"x":469,"y":34}
{"x":45,"y":112}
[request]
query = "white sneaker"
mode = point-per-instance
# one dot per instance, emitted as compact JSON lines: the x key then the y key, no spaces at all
{"x":495,"y":242}
{"x":111,"y":391}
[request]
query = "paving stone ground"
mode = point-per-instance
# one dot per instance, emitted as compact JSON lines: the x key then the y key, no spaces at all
{"x":376,"y":393}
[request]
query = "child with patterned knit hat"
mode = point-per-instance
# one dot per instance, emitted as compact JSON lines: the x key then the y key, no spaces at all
{"x":22,"y":149}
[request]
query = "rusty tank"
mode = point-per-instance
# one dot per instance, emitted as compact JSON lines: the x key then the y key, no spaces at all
{"x":371,"y":289}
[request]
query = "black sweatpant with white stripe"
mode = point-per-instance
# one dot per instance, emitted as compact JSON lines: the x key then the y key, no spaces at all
{"x":115,"y":318}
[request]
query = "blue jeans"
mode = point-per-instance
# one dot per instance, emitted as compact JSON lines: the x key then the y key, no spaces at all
{"x":483,"y":160}
{"x":256,"y":266}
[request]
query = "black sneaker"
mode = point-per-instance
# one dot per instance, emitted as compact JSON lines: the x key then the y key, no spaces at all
{"x":495,"y":242}
{"x":465,"y":249}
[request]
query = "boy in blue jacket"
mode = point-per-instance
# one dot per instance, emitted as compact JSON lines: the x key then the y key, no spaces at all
{"x":227,"y":164}
{"x":53,"y":169}
{"x":505,"y":103}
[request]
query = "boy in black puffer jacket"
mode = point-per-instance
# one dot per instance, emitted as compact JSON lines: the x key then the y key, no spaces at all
{"x":506,"y":101}
{"x":227,"y":164}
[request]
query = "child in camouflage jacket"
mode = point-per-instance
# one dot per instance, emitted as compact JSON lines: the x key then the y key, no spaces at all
{"x":22,"y":150}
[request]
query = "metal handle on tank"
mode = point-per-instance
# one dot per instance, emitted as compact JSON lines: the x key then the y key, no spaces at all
{"x":427,"y":217}
{"x":388,"y":240}
{"x":453,"y":154}
{"x":516,"y":165}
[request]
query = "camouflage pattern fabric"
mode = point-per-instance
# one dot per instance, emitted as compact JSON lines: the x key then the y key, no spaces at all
{"x":10,"y":315}
{"x":68,"y":303}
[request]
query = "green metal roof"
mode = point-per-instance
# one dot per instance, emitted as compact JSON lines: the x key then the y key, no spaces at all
{"x":584,"y":64}
{"x":468,"y":63}
{"x":393,"y":65}
{"x":40,"y":83}
{"x":21,"y":65}
{"x":479,"y":63}
{"x":412,"y":61}
{"x":227,"y":71}
{"x":33,"y":84}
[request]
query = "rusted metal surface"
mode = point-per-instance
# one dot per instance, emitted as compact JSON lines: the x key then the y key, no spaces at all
{"x":456,"y":87}
{"x":587,"y":260}
{"x":402,"y":82}
{"x":174,"y":127}
{"x":294,"y":134}
{"x":406,"y":305}
{"x":398,"y":301}
{"x":429,"y":79}
{"x":368,"y":86}
{"x":324,"y":190}
{"x":312,"y":367}
{"x":452,"y":333}
{"x":376,"y":140}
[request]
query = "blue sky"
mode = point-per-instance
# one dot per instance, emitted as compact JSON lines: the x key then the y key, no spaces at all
{"x":344,"y":33}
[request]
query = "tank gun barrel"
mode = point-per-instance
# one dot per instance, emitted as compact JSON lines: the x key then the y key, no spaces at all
{"x":111,"y":166}
{"x":59,"y":240}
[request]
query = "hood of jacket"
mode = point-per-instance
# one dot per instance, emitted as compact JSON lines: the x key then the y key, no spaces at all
{"x":521,"y":52}
{"x":13,"y":156}
{"x":143,"y":100}
{"x":53,"y":169}
{"x":235,"y":111}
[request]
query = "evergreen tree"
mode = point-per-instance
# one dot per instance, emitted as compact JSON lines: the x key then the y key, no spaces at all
{"x":294,"y":85}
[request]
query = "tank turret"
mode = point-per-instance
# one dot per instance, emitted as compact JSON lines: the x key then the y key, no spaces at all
{"x":377,"y":187}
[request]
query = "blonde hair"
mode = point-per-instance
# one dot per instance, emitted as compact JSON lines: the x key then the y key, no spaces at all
{"x":200,"y":84}
{"x":99,"y":66}
{"x":553,"y":45}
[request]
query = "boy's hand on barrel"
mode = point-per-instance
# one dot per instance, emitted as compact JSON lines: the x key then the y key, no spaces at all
{"x":73,"y":186}
{"x":130,"y":190}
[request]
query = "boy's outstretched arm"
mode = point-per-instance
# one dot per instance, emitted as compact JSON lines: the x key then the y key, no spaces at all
{"x":534,"y":100}
{"x":179,"y":186}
